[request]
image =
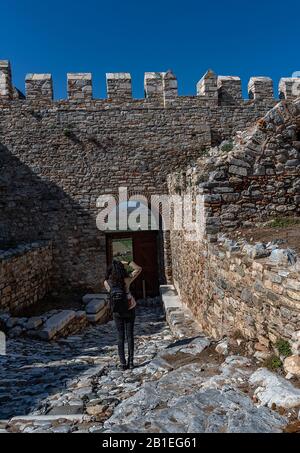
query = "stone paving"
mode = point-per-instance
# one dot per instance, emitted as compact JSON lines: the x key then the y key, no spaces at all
{"x":179,"y":385}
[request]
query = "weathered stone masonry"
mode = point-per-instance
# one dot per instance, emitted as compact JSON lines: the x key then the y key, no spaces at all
{"x":232,"y":286}
{"x":231,"y":292}
{"x":259,"y":178}
{"x":57,"y":157}
{"x":25,"y":275}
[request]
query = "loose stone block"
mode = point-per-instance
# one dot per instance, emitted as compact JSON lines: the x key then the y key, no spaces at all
{"x":6,"y":89}
{"x":119,"y":85}
{"x":273,"y":389}
{"x":260,"y":88}
{"x":94,"y":306}
{"x":39,"y":86}
{"x":222,"y":347}
{"x":79,"y":86}
{"x":283,"y":257}
{"x":57,"y":323}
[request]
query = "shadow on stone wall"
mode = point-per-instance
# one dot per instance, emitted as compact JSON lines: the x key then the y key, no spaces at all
{"x":33,"y":208}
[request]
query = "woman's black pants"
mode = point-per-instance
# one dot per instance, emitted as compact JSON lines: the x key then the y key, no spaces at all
{"x":125,"y":327}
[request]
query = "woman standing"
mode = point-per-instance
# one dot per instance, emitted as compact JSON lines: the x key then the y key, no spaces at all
{"x":117,"y":283}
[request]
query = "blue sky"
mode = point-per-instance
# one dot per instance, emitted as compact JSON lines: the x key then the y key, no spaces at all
{"x":230,"y":37}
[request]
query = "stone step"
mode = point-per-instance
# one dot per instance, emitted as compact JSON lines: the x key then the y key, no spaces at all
{"x":178,"y":316}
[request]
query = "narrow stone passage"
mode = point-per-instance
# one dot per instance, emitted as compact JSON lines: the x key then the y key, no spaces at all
{"x":73,"y":385}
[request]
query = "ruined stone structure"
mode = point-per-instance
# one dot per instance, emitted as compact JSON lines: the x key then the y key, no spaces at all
{"x":232,"y":286}
{"x":58,"y":156}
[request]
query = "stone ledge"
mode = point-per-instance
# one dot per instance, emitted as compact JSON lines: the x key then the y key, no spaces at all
{"x":23,"y":249}
{"x":170,"y":297}
{"x":179,"y":317}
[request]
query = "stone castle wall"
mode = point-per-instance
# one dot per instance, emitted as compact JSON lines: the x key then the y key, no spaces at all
{"x":25,"y":275}
{"x":233,"y":286}
{"x":230,"y":291}
{"x":57,"y":157}
{"x":252,"y":178}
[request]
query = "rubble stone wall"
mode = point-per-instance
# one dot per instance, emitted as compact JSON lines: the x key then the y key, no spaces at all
{"x":229,"y":291}
{"x":253,"y":177}
{"x":233,"y":286}
{"x":25,"y":275}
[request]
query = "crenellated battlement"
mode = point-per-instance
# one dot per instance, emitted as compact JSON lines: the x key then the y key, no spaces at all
{"x":79,"y":86}
{"x":208,"y":86}
{"x":260,"y":88}
{"x":159,"y":87}
{"x":118,"y":85}
{"x":6,"y":89}
{"x":39,"y":86}
{"x":229,"y":89}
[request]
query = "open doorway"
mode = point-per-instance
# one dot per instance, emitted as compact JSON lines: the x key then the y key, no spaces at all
{"x":141,"y":247}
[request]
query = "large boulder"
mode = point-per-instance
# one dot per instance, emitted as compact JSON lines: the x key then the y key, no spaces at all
{"x":272,"y":389}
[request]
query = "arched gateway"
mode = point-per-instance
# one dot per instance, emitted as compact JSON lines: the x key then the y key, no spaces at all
{"x":134,"y":234}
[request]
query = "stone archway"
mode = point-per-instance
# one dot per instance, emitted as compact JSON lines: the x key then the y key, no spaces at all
{"x":136,"y":234}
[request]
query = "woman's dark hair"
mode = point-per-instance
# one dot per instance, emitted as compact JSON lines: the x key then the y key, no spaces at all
{"x":116,"y":273}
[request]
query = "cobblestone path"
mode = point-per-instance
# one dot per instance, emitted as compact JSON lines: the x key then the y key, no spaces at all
{"x":74,"y":385}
